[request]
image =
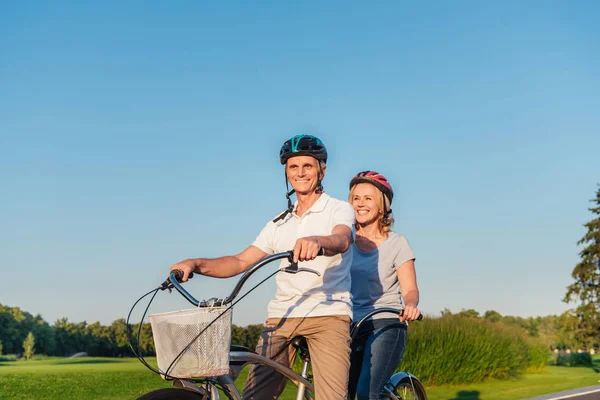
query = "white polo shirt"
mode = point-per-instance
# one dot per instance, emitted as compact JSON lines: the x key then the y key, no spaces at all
{"x":305,"y":294}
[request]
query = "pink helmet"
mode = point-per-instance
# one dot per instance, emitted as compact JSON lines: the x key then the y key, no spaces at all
{"x":376,"y":179}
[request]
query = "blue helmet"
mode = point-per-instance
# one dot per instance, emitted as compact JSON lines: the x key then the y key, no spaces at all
{"x":303,"y":145}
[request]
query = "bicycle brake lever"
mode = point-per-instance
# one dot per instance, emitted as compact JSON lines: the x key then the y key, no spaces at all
{"x":312,"y":271}
{"x":293,"y":269}
{"x":178,"y":275}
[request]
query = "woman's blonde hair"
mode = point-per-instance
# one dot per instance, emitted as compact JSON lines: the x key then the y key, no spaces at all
{"x":384,"y":222}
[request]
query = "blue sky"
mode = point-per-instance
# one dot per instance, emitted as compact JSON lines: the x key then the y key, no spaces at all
{"x":137,"y":134}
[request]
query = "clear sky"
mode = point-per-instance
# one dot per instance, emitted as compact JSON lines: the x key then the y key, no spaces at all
{"x":136,"y":134}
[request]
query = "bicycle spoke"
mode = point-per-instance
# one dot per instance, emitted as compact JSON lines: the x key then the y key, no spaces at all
{"x":405,"y":392}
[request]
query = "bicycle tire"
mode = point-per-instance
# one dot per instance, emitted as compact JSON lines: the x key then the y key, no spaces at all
{"x":409,"y":389}
{"x":176,"y":394}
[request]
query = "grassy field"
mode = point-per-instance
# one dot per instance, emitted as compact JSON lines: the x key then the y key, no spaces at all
{"x":551,"y":380}
{"x":107,"y":378}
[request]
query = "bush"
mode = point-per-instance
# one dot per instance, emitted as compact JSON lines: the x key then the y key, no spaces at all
{"x":452,"y":349}
{"x":573,"y":360}
{"x":537,"y":356}
{"x":6,"y":357}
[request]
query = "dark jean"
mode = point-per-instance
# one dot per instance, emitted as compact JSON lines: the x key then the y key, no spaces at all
{"x":376,"y":352}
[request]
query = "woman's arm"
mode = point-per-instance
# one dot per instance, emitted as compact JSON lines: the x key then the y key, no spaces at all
{"x":407,"y":277}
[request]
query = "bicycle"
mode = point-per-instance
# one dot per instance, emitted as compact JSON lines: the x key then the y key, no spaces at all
{"x":401,"y":385}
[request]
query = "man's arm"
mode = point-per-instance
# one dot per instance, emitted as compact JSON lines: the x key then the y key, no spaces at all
{"x":307,"y":248}
{"x":222,"y":267}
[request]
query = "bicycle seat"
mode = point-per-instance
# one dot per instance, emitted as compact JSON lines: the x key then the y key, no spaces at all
{"x":300,"y":343}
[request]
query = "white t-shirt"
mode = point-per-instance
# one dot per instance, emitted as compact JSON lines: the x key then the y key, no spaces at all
{"x":306,"y":294}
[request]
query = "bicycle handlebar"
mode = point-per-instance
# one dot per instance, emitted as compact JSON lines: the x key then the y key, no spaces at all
{"x":396,"y":311}
{"x":176,"y":275}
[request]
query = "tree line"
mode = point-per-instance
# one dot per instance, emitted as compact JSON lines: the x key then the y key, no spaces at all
{"x":65,"y":338}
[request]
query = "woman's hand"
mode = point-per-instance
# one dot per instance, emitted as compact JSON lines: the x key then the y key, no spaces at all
{"x":411,"y":313}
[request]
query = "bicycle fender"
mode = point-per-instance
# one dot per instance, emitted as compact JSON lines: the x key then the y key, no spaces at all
{"x":189,"y":386}
{"x":397,"y":377}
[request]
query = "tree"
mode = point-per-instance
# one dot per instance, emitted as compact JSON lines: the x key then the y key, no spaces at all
{"x":0,"y":347}
{"x":446,"y":312}
{"x":29,"y":346}
{"x":10,"y":332}
{"x":470,"y":313}
{"x":586,"y":288}
{"x":492,"y":316}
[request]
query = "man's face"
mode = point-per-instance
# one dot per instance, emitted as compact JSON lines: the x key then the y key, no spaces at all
{"x":303,"y":173}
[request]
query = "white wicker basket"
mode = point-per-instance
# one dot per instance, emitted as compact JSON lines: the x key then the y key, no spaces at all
{"x":207,"y":355}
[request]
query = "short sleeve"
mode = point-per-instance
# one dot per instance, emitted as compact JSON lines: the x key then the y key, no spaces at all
{"x":344,"y":215}
{"x":403,"y":251}
{"x":265,"y":240}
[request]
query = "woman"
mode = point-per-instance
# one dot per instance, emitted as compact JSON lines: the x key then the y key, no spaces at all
{"x":383,"y":264}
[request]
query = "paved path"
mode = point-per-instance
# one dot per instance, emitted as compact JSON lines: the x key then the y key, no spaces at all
{"x":587,"y":393}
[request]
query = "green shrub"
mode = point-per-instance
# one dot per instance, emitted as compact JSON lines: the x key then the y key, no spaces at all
{"x":573,"y":360}
{"x":452,"y":349}
{"x":8,"y":357}
{"x":537,"y":356}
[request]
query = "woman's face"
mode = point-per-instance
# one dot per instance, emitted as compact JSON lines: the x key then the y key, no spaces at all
{"x":365,"y":200}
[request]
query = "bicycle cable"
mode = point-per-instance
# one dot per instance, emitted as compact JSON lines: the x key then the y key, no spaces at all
{"x":139,"y":354}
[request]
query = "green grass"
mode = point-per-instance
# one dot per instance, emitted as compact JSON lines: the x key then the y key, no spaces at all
{"x":114,"y":378}
{"x":80,"y":378}
{"x":86,"y":378}
{"x":551,"y":380}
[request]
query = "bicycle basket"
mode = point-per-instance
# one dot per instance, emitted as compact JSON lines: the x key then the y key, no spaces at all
{"x":206,"y":355}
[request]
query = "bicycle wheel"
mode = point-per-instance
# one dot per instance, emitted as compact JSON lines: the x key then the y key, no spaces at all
{"x":409,"y":389}
{"x":172,"y":394}
{"x":178,"y":394}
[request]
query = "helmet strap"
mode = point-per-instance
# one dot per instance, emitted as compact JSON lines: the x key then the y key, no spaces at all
{"x":319,"y":188}
{"x":290,"y":206}
{"x":386,"y":212}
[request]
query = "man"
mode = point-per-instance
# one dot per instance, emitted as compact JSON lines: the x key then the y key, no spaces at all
{"x":316,"y":307}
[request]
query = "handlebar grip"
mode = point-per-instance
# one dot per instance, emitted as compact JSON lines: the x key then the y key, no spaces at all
{"x":291,"y":254}
{"x":419,"y":318}
{"x":179,"y":275}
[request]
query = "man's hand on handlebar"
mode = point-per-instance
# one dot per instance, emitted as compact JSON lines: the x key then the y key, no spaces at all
{"x":185,"y":266}
{"x":306,"y":249}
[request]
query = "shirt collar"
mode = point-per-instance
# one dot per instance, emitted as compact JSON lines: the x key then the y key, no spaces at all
{"x":317,"y":207}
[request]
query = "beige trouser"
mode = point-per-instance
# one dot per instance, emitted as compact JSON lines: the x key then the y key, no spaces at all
{"x":329,"y":345}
